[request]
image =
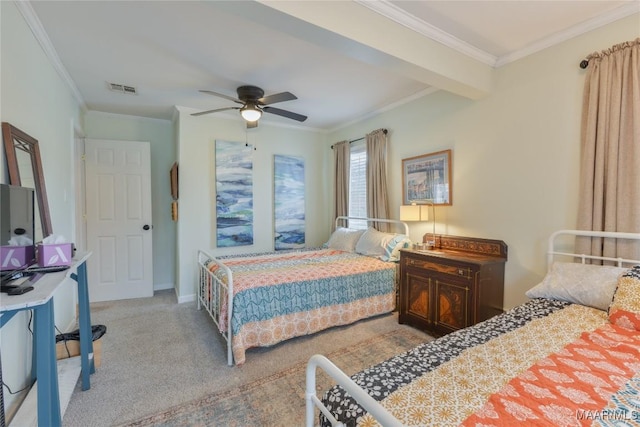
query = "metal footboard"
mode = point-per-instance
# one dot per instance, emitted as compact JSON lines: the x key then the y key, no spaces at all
{"x":367,"y":402}
{"x":212,"y":291}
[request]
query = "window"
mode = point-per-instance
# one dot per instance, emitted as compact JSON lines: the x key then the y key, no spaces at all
{"x":358,"y":184}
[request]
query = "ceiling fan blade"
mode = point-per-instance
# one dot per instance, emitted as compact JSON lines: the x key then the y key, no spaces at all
{"x":285,"y":113}
{"x":277,"y":97}
{"x":222,"y":95}
{"x":252,"y":124}
{"x":214,"y":111}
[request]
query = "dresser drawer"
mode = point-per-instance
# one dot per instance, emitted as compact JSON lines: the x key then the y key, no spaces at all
{"x":461,"y":271}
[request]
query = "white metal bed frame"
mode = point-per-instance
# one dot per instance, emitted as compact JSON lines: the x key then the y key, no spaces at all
{"x":374,"y":408}
{"x":211,"y":288}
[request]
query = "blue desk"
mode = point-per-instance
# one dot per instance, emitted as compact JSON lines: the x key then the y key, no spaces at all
{"x":45,"y":368}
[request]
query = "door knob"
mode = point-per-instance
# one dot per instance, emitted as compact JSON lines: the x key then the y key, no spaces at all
{"x":146,"y":227}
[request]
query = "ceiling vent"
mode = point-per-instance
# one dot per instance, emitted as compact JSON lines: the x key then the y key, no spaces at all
{"x":122,"y":88}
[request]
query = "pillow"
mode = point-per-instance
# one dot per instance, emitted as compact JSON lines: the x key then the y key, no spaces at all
{"x":344,"y":239}
{"x":586,"y":284}
{"x":385,"y":246}
{"x":399,"y":241}
{"x":373,"y":243}
{"x":625,"y":308}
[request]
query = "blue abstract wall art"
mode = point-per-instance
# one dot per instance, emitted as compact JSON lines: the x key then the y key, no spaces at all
{"x":234,"y":194}
{"x":288,"y":201}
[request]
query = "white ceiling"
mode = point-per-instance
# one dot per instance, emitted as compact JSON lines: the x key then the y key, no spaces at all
{"x":168,"y":50}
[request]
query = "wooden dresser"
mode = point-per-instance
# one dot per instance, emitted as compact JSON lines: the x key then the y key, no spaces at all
{"x":458,"y":284}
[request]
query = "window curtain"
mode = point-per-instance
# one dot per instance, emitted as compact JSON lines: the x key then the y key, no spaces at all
{"x":609,"y":198}
{"x":341,"y":157}
{"x":377,"y":199}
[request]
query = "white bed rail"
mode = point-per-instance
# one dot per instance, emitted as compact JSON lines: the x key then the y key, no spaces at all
{"x":375,"y":408}
{"x":552,"y":252}
{"x":361,"y":396}
{"x":403,"y":225}
{"x":211,"y":290}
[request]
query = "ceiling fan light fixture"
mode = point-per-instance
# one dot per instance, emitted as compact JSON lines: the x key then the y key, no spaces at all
{"x":251,"y":113}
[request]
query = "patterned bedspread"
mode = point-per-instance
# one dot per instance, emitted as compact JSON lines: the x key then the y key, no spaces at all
{"x":543,"y":363}
{"x":278,"y":296}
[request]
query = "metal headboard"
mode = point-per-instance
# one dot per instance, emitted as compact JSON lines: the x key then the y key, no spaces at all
{"x":396,"y":222}
{"x":552,"y":252}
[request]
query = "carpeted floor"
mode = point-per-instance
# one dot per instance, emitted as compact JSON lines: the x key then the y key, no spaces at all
{"x":163,"y":363}
{"x":278,"y":399}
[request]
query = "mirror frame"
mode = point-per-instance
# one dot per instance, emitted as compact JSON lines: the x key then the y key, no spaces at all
{"x":15,"y":139}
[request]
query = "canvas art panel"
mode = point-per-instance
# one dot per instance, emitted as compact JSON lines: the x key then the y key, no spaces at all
{"x":288,"y":202}
{"x":234,"y":194}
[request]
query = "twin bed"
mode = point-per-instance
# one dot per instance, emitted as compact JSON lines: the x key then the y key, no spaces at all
{"x":260,"y":300}
{"x":570,"y":356}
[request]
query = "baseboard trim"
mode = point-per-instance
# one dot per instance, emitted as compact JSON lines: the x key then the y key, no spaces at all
{"x":163,"y":286}
{"x":185,"y":298}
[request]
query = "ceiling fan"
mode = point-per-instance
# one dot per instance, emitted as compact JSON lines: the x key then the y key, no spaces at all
{"x":254,"y":103}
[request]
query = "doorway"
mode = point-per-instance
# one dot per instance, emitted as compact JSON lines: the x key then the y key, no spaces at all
{"x":119,"y":228}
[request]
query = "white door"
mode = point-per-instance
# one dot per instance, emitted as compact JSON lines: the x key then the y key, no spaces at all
{"x":119,"y":227}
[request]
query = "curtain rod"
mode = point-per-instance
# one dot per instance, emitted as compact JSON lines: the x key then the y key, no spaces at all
{"x":585,"y":62}
{"x":360,"y":139}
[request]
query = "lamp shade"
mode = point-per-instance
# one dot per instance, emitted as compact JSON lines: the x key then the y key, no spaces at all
{"x":414,"y":213}
{"x":250,"y":113}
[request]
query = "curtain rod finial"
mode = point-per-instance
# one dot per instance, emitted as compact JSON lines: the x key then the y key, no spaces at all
{"x":584,"y":64}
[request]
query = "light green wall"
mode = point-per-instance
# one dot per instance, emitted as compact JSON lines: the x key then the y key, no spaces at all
{"x":196,"y":142}
{"x":37,"y":101}
{"x":515,"y":152}
{"x":515,"y":163}
{"x":160,"y":135}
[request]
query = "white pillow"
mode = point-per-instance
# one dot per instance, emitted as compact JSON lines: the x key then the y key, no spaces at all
{"x":585,"y":284}
{"x":385,"y":246}
{"x":373,"y":243}
{"x":344,"y":239}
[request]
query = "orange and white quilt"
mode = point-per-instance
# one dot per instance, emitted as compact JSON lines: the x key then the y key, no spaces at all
{"x":562,"y":365}
{"x":571,"y":387}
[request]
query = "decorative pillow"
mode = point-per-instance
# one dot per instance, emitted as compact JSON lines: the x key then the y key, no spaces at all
{"x":625,"y":307}
{"x":586,"y":284}
{"x":385,"y":246}
{"x":344,"y":239}
{"x":399,"y":241}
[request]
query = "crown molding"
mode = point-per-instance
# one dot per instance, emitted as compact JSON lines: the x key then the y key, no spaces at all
{"x":42,"y":37}
{"x":402,"y":17}
{"x":390,"y":11}
{"x":569,"y":33}
{"x":417,"y":95}
{"x":129,"y":116}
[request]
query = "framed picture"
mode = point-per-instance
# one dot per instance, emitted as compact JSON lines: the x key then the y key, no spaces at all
{"x":427,"y":177}
{"x":174,"y":210}
{"x":173,"y":175}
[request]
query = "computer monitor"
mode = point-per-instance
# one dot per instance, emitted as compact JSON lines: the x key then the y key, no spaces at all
{"x":16,"y":213}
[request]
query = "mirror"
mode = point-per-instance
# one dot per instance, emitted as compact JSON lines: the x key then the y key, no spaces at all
{"x":25,"y":169}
